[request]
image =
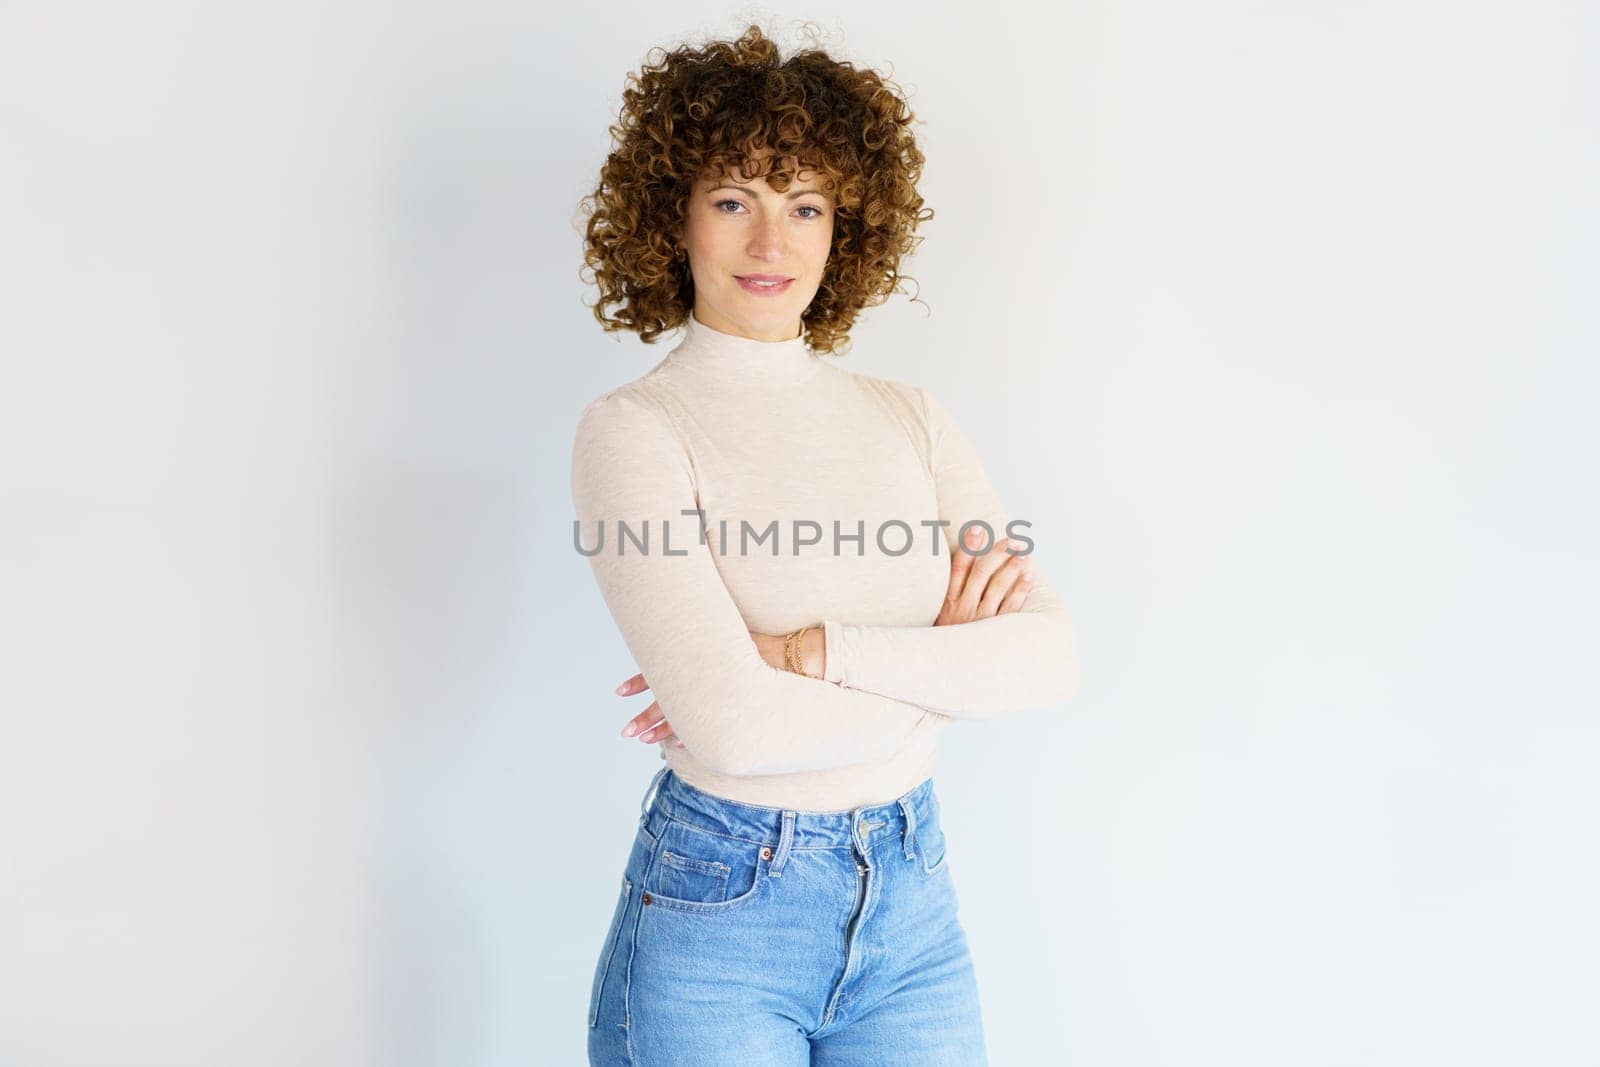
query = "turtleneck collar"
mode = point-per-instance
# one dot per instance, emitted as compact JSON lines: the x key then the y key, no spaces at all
{"x":741,"y":360}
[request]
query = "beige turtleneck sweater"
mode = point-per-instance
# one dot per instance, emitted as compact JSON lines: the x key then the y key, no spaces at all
{"x":780,"y":448}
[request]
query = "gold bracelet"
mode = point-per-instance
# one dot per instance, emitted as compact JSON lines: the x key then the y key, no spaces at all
{"x":791,"y":652}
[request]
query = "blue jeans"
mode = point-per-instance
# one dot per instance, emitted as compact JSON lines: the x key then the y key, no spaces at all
{"x":754,"y":936}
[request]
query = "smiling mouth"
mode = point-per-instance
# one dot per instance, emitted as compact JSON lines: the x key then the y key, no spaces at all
{"x":763,"y":284}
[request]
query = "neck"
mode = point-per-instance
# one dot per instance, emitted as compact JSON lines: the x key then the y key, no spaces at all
{"x":738,"y":360}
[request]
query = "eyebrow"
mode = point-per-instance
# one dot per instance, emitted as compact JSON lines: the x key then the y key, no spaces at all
{"x":745,"y":189}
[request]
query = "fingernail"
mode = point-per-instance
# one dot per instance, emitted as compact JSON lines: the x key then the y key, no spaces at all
{"x":623,"y":688}
{"x":629,"y":730}
{"x":1027,"y":579}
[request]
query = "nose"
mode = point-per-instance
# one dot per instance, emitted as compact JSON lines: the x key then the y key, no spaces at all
{"x":767,"y":242}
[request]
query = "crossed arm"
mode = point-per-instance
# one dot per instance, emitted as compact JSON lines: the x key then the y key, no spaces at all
{"x":982,"y":585}
{"x":713,"y":676}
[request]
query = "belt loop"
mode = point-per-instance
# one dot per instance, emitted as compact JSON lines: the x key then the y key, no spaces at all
{"x":911,"y":826}
{"x":650,"y":795}
{"x":785,"y":836}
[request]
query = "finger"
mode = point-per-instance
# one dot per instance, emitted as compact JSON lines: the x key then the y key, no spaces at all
{"x":1016,"y":584}
{"x":983,"y":568}
{"x":1000,"y":586}
{"x":636,"y":727}
{"x":632,"y":685}
{"x":647,"y":717}
{"x":656,"y":732}
{"x":1018,"y":595}
{"x":960,"y":564}
{"x":1006,"y":580}
{"x":961,"y":559}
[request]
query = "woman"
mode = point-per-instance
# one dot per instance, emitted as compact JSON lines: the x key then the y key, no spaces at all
{"x":777,"y":539}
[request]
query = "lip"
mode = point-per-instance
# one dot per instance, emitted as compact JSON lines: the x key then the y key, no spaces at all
{"x":747,"y":282}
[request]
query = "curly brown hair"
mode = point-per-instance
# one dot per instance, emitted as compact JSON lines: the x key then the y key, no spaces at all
{"x":736,"y":104}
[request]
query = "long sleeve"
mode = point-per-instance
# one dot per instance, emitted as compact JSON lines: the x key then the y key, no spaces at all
{"x":1018,"y":661}
{"x":734,"y":712}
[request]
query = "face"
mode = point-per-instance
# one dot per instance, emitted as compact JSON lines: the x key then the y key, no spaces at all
{"x":740,"y":233}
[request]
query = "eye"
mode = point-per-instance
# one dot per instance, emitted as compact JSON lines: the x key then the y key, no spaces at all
{"x":816,"y":212}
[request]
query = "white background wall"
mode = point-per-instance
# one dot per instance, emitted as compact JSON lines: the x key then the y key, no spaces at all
{"x":1279,"y":322}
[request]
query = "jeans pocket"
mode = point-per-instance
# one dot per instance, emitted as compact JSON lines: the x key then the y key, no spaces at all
{"x":608,"y":951}
{"x":930,"y":840}
{"x":696,"y":870}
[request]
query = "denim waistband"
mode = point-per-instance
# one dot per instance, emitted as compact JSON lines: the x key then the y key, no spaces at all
{"x":771,"y":826}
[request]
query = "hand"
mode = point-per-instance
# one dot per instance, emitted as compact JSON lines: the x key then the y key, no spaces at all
{"x":993,"y":583}
{"x":650,"y":725}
